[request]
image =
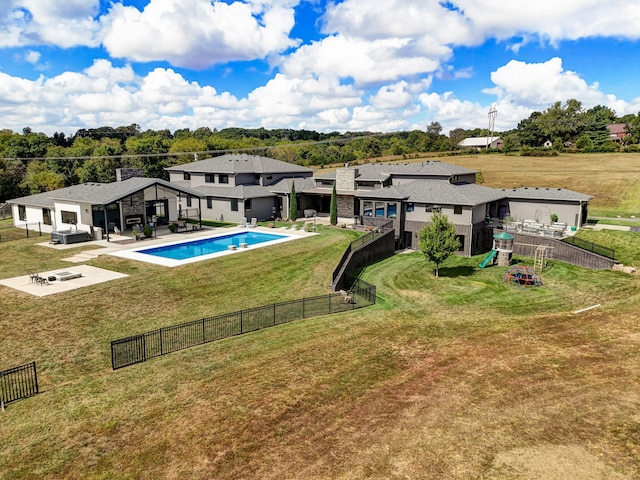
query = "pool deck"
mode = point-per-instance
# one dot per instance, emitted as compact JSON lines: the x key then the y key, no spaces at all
{"x":124,"y":246}
{"x":133,"y":252}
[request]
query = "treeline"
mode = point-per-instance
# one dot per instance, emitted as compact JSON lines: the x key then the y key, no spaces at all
{"x":33,"y":162}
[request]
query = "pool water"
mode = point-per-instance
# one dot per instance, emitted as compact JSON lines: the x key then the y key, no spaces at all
{"x":206,"y":246}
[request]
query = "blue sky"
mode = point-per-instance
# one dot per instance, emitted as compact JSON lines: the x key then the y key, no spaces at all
{"x":349,"y":65}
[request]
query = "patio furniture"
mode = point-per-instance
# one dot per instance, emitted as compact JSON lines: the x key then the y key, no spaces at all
{"x":62,"y":276}
{"x":254,"y":223}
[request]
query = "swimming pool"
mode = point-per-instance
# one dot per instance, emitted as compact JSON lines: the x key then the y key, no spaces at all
{"x":183,"y":252}
{"x":206,"y":246}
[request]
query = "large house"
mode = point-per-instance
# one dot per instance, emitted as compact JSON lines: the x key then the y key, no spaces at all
{"x":237,"y":186}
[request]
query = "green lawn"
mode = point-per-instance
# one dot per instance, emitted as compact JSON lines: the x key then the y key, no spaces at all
{"x":444,"y":375}
{"x":454,"y":377}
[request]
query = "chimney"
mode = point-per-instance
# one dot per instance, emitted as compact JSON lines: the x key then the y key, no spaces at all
{"x":346,"y":178}
{"x":127,"y":173}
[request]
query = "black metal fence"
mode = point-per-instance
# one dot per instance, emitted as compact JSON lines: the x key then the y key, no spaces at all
{"x":591,"y":247}
{"x":139,"y":348}
{"x":18,"y":382}
{"x":24,"y":231}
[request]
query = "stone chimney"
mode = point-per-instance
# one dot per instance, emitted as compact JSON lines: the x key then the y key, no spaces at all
{"x":127,"y":173}
{"x":346,"y":178}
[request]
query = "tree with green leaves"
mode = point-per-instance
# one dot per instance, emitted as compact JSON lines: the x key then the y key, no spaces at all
{"x":438,"y":240}
{"x":293,"y":203}
{"x":333,"y":209}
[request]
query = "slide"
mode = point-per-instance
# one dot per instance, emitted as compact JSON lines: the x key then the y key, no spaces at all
{"x":488,"y":258}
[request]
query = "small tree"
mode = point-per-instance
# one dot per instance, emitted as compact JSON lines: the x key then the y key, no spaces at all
{"x":333,"y":211}
{"x":438,"y":239}
{"x":293,"y":203}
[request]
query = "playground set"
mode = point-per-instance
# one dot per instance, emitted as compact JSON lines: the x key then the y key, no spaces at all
{"x":521,"y":275}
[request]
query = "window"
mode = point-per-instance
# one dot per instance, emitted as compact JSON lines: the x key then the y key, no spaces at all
{"x":186,"y":176}
{"x":209,"y":178}
{"x":22,"y":213}
{"x":69,"y":217}
{"x":46,"y":216}
{"x":327,"y":183}
{"x":410,"y":207}
{"x":223,"y":178}
{"x":433,"y":208}
{"x":379,"y":209}
{"x":209,"y":203}
{"x":188,"y":200}
{"x":457,"y":209}
{"x":392,"y":210}
{"x":234,"y":204}
{"x":269,"y":177}
{"x":461,"y":240}
{"x":247,"y":204}
{"x":368,"y":209}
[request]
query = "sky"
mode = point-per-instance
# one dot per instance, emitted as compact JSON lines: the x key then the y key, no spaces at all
{"x":350,"y":65}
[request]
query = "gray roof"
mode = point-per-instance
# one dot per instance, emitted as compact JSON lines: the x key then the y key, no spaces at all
{"x":284,"y":185}
{"x":99,"y":193}
{"x":546,"y":193}
{"x":439,"y":192}
{"x":376,"y":172}
{"x":239,"y":163}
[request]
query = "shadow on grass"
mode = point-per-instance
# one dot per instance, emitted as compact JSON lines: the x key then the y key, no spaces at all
{"x":459,"y":271}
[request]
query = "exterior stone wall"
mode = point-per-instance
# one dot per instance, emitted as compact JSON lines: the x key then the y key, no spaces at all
{"x":345,"y":206}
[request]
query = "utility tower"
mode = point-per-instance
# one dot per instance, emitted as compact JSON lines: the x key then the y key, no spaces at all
{"x":492,"y":122}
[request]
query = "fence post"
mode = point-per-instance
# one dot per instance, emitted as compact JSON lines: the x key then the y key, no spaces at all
{"x":204,"y":340}
{"x":274,"y":314}
{"x":35,"y":377}
{"x":241,"y":321}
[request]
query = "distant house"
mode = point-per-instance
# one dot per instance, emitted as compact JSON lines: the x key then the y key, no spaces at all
{"x":237,"y":186}
{"x":480,"y":143}
{"x":617,"y":131}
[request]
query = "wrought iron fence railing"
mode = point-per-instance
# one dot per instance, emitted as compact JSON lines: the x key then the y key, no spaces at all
{"x":18,"y":382}
{"x":591,"y":247}
{"x":141,"y":347}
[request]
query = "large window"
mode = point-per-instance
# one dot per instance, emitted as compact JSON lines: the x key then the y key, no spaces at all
{"x":247,"y":204}
{"x":69,"y":217}
{"x":392,"y":210}
{"x":368,"y":209}
{"x":209,"y":178}
{"x":46,"y":216}
{"x":410,"y":207}
{"x":379,"y":209}
{"x":223,"y":178}
{"x":209,"y":203}
{"x":22,"y":213}
{"x":234,"y":204}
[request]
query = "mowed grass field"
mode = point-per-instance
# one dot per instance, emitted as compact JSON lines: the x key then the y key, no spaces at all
{"x":453,"y":377}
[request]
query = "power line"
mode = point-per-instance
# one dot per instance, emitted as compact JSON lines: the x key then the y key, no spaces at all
{"x":203,"y":152}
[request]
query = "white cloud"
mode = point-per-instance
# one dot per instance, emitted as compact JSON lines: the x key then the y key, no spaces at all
{"x":43,"y":22}
{"x":32,"y":57}
{"x":538,"y":85}
{"x":198,"y":33}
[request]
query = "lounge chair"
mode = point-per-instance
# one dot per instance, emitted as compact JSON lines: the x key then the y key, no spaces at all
{"x":254,"y":222}
{"x":243,"y":223}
